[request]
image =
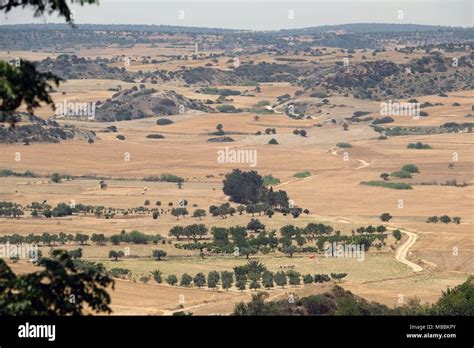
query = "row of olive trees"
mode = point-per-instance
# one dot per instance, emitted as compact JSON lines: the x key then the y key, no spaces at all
{"x":251,"y":281}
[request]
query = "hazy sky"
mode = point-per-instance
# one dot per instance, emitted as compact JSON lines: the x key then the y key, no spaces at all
{"x":263,"y":14}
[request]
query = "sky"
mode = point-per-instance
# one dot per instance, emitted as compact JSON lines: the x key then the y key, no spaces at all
{"x":262,"y":14}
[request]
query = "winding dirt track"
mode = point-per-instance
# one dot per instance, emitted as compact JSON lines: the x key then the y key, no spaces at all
{"x":402,"y":251}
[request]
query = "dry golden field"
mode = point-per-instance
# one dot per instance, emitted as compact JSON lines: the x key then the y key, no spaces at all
{"x":332,"y":193}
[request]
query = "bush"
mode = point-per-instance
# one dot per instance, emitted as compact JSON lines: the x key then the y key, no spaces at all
{"x":172,"y":279}
{"x":155,"y":136}
{"x":157,"y":275}
{"x":344,"y":145}
{"x":163,"y":122}
{"x":321,"y":278}
{"x":120,"y":273}
{"x":186,"y":280}
{"x":385,"y":217}
{"x":445,"y":219}
{"x":227,"y":108}
{"x":397,"y":234}
{"x":308,"y":279}
{"x":269,"y":180}
{"x":392,"y":185}
{"x":302,"y":175}
{"x":273,"y":142}
{"x":401,"y":175}
{"x":171,"y":178}
{"x":386,"y":119}
{"x":158,"y":254}
{"x":320,"y":95}
{"x":410,"y":168}
{"x":120,"y":137}
{"x":418,"y":145}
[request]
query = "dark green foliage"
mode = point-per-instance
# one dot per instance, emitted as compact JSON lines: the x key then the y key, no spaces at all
{"x":213,"y":279}
{"x":385,"y":217}
{"x":392,"y":185}
{"x":186,"y":280}
{"x":199,"y":280}
{"x":48,"y":292}
{"x":158,"y":254}
{"x":397,"y":234}
{"x":157,"y":276}
{"x":410,"y":168}
{"x":172,"y":279}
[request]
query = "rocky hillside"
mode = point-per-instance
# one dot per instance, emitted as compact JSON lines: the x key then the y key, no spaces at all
{"x":140,"y":103}
{"x":32,"y":129}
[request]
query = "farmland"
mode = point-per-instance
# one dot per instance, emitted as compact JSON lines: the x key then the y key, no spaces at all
{"x":296,"y":89}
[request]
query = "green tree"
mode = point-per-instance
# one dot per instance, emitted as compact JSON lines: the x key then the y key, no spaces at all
{"x":227,"y":279}
{"x":199,"y":280}
{"x":98,"y":238}
{"x":56,"y":178}
{"x":49,"y":291}
{"x":213,"y":279}
{"x":445,"y":219}
{"x":195,"y":231}
{"x":158,"y":254}
{"x":385,"y":217}
{"x":280,"y":279}
{"x":397,"y":234}
{"x":75,"y":253}
{"x":244,"y":187}
{"x":220,"y":236}
{"x":457,"y":301}
{"x":255,"y":225}
{"x":308,"y":279}
{"x":241,"y":284}
{"x":23,"y":84}
{"x":254,"y":284}
{"x":294,"y":278}
{"x":81,"y":238}
{"x":289,"y":250}
{"x":186,"y":280}
{"x":199,"y":213}
{"x":177,"y":231}
{"x":172,"y":279}
{"x":267,"y":279}
{"x":158,"y":276}
{"x":338,"y":276}
{"x":115,"y":254}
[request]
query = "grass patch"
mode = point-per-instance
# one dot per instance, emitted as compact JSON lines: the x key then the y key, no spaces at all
{"x":302,"y":175}
{"x":261,"y":111}
{"x":401,"y":174}
{"x":269,"y":180}
{"x":344,"y":145}
{"x":410,"y":168}
{"x":418,"y":146}
{"x":392,"y":185}
{"x":8,"y":172}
